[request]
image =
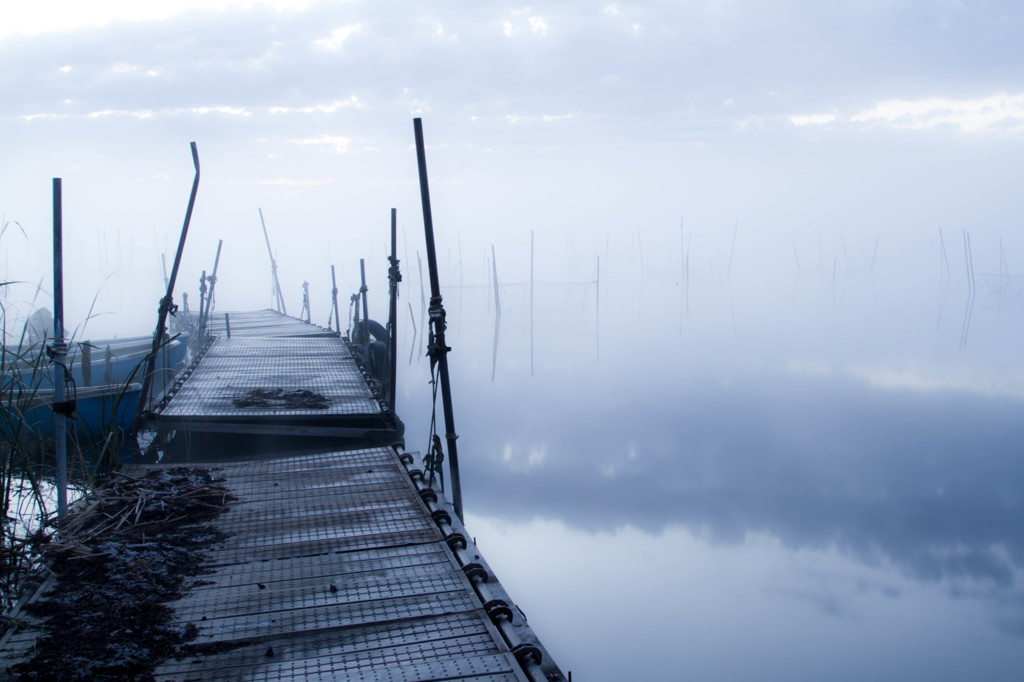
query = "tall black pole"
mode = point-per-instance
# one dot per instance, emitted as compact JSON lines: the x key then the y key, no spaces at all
{"x":59,"y":353}
{"x":166,"y":303}
{"x":439,"y":350}
{"x":394,"y":277}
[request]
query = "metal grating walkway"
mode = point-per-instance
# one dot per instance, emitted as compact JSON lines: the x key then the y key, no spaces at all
{"x":276,"y":376}
{"x":400,"y":608}
{"x":233,"y":368}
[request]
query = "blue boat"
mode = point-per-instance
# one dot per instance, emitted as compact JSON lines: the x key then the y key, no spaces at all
{"x":98,"y":410}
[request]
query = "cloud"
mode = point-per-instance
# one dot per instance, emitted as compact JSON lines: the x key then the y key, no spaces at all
{"x":285,"y":182}
{"x":337,"y":37}
{"x":812,"y":119}
{"x":340,"y":144}
{"x":1001,"y":112}
{"x":57,"y":16}
{"x":320,"y":108}
{"x":539,"y":26}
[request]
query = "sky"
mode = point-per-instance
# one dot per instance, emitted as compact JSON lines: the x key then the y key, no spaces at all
{"x":776,"y":198}
{"x":788,"y":122}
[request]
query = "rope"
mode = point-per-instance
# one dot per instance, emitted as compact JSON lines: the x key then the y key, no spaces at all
{"x":435,"y":458}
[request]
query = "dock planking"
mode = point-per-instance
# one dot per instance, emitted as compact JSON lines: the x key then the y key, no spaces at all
{"x":333,"y":562}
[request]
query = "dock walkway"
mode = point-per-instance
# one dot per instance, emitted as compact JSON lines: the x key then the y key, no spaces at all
{"x":339,"y":564}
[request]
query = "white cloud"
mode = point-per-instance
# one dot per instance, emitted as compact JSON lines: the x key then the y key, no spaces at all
{"x":539,"y":26}
{"x":985,"y":114}
{"x":337,"y":37}
{"x":506,"y":28}
{"x":321,"y":108}
{"x":142,"y":113}
{"x":231,"y":111}
{"x":812,"y":119}
{"x":121,"y":113}
{"x":285,"y":182}
{"x":340,"y":144}
{"x":56,"y":16}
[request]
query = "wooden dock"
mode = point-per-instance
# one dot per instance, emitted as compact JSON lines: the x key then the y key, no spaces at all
{"x":341,"y":564}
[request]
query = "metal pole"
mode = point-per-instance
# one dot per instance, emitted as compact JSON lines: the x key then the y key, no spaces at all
{"x":213,"y":284}
{"x":334,"y":301}
{"x":202,"y":301}
{"x":166,"y":303}
{"x":59,"y":353}
{"x":438,"y":322}
{"x":362,"y":288}
{"x":394,"y":277}
{"x":278,"y":296}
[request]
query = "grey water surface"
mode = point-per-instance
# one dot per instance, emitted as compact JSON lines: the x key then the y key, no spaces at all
{"x":788,"y":490}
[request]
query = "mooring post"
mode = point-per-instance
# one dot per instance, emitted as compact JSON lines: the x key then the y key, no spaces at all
{"x":334,"y":303}
{"x":438,"y":349}
{"x":305,"y":303}
{"x":213,"y":283}
{"x":227,"y":325}
{"x":394,"y":277}
{"x":362,"y":290}
{"x":278,"y":296}
{"x":202,"y":303}
{"x":166,"y":303}
{"x":59,"y":351}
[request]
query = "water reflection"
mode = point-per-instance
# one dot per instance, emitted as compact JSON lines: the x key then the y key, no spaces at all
{"x":840,"y":456}
{"x":927,"y":481}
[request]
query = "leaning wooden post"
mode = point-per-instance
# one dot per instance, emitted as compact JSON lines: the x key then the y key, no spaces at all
{"x":59,"y":350}
{"x":437,"y":349}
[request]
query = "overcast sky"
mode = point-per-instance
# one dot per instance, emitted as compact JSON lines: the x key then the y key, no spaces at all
{"x":869,"y":119}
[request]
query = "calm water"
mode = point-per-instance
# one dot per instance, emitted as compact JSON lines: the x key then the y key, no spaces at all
{"x":792,"y":481}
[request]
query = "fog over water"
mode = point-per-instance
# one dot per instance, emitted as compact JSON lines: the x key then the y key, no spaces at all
{"x":773,"y":426}
{"x":765,"y":486}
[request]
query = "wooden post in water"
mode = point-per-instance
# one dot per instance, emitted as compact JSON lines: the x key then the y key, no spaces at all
{"x":60,"y":406}
{"x":437,"y":321}
{"x":531,"y":303}
{"x":497,"y":314}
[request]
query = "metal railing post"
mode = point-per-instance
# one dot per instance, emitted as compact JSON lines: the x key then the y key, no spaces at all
{"x":439,"y":350}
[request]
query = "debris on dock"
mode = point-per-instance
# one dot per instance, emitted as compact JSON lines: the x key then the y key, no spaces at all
{"x":117,"y":563}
